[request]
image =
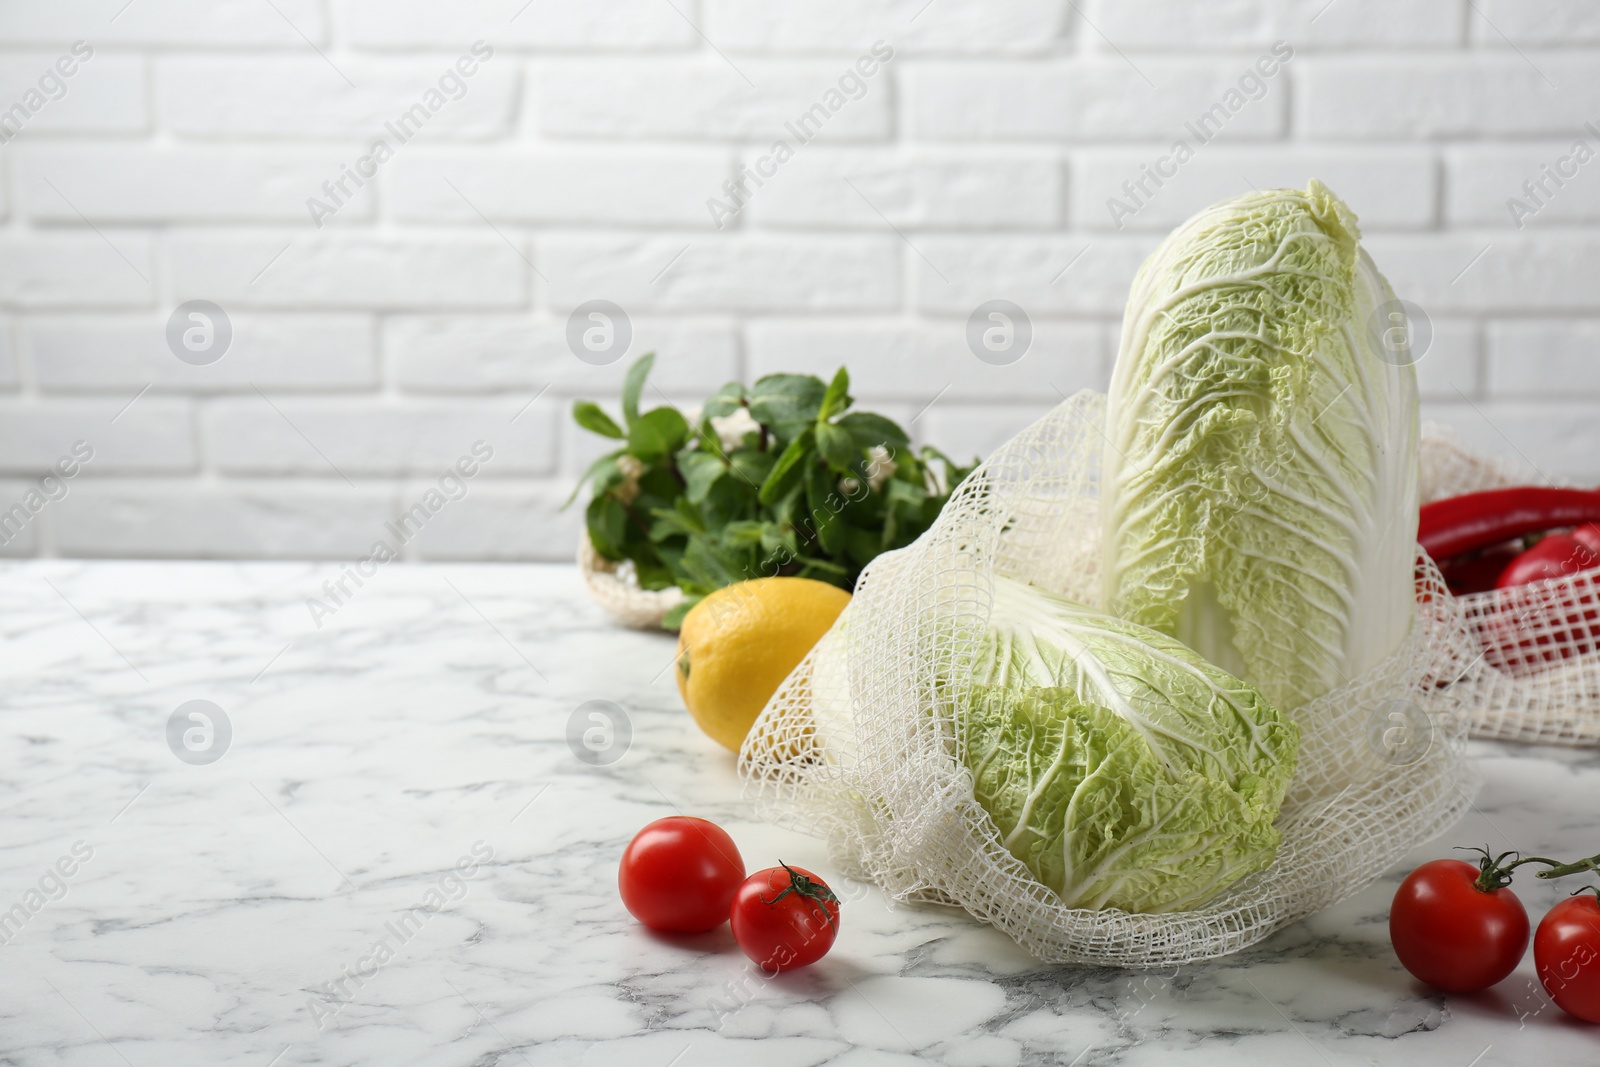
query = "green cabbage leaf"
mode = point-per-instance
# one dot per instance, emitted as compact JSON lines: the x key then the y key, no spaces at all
{"x":1259,"y":487}
{"x":1120,"y":767}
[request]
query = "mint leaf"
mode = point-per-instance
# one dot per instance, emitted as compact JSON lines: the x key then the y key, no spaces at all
{"x":657,"y":433}
{"x":603,"y":473}
{"x":870,"y":430}
{"x":837,"y":447}
{"x":786,"y":402}
{"x":744,"y":534}
{"x":724,"y":401}
{"x":750,"y":468}
{"x":633,"y":385}
{"x":673,"y":619}
{"x":786,"y":472}
{"x":587,"y":413}
{"x":837,"y":398}
{"x":700,"y":471}
{"x":825,"y":501}
{"x":711,"y":566}
{"x":607,"y":522}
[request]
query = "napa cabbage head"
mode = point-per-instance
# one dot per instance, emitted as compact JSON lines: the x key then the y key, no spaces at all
{"x":1120,"y":767}
{"x":1259,"y":488}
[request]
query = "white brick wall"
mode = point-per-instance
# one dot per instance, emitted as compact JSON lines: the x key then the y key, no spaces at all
{"x":575,"y":163}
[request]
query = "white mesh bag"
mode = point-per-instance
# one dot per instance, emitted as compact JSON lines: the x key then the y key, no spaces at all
{"x":859,"y":743}
{"x":1541,"y":641}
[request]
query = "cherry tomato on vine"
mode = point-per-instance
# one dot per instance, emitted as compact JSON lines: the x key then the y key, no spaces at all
{"x":785,"y":917}
{"x":1452,"y":934}
{"x":1566,"y":954}
{"x":679,"y":874}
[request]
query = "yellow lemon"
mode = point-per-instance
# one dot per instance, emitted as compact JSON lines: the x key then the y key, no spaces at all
{"x":738,"y":644}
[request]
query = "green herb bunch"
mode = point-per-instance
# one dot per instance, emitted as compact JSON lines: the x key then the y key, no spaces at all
{"x":778,"y":478}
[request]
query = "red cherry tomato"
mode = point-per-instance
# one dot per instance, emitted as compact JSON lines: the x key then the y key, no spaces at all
{"x":1453,"y":935}
{"x":679,"y":874}
{"x":1566,"y":953}
{"x":785,"y":917}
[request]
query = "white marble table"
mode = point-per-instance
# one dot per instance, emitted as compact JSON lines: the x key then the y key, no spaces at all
{"x":228,"y":912}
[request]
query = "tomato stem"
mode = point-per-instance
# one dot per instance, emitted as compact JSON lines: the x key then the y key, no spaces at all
{"x":1560,"y":870}
{"x":801,"y":886}
{"x":1494,"y":872}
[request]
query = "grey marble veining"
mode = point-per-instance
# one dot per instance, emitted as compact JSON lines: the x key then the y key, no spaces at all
{"x":412,"y":753}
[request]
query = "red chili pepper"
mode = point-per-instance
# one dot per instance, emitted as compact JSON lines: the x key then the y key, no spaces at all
{"x":1477,"y":520}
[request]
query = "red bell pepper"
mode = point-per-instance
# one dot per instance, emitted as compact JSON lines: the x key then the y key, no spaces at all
{"x":1588,"y":535}
{"x":1546,"y":625}
{"x":1555,"y":556}
{"x":1474,"y":538}
{"x":1476,"y":572}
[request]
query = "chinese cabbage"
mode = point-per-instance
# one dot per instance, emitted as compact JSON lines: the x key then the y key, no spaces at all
{"x":1121,"y":768}
{"x":1259,"y":490}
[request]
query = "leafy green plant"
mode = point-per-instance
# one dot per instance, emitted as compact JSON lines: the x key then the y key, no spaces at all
{"x":778,"y":478}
